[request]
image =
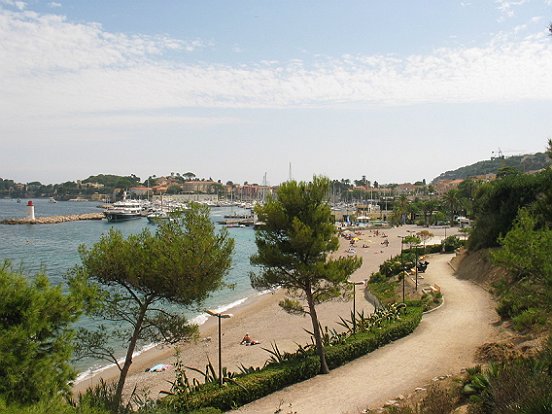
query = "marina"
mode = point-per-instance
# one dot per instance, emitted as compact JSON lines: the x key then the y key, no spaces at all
{"x":54,"y":248}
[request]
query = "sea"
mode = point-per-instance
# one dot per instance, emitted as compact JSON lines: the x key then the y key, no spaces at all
{"x":52,"y":248}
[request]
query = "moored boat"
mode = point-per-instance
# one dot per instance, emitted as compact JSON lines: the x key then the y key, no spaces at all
{"x":124,"y":210}
{"x":158,"y":217}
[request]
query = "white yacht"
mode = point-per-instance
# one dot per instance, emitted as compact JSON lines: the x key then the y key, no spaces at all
{"x":124,"y":210}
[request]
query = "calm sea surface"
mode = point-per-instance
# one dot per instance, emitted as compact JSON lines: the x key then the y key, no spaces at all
{"x":53,"y":247}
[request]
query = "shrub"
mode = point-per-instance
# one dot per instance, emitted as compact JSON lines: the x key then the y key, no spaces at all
{"x":301,"y":366}
{"x":48,"y":406}
{"x":529,"y":318}
{"x":207,"y":410}
{"x":452,"y":243}
{"x":377,"y":277}
{"x":521,"y":387}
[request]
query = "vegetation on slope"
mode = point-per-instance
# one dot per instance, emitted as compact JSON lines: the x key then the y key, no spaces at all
{"x":523,"y":163}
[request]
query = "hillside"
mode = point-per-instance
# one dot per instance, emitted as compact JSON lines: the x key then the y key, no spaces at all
{"x":524,"y":163}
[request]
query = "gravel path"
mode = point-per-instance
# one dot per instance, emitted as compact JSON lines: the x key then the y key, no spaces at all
{"x":444,"y":342}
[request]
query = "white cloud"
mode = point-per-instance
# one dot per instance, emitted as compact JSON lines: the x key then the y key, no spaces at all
{"x":52,"y":68}
{"x":20,"y":5}
{"x":54,"y":4}
{"x":506,"y":7}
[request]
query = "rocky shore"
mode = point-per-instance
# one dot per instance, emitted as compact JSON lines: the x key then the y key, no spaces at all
{"x":54,"y":219}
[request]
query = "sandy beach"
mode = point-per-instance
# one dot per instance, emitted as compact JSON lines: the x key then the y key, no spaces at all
{"x":263,"y":319}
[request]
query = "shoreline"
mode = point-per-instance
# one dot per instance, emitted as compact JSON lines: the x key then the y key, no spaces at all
{"x":263,"y":319}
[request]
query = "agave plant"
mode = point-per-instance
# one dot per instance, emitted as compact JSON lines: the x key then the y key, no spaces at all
{"x":248,"y":370}
{"x":305,"y":350}
{"x":479,"y":380}
{"x":362,"y":322}
{"x":276,"y":356}
{"x":329,"y":336}
{"x":210,"y":374}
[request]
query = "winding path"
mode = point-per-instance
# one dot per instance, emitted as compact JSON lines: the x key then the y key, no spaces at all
{"x":443,"y":343}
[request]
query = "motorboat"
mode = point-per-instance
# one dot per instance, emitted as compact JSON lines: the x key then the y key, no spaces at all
{"x":124,"y":210}
{"x":159,"y":217}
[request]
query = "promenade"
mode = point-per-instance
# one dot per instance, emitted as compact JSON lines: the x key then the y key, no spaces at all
{"x":444,"y":343}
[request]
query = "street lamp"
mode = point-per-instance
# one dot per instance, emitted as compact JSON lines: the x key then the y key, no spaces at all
{"x":355,"y":284}
{"x":416,"y":266}
{"x":220,"y":316}
{"x":443,"y":244}
{"x":404,"y":275}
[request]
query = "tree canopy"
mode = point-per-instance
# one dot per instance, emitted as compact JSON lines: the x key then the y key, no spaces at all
{"x":36,"y":336}
{"x":293,"y":250}
{"x":182,"y":263}
{"x":496,"y":205}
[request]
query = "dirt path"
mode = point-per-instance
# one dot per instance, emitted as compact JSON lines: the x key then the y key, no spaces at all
{"x":444,"y":343}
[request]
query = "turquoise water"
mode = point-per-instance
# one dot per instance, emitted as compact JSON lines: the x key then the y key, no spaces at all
{"x":53,"y":247}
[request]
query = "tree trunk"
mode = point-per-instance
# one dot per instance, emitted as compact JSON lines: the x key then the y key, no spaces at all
{"x":128,"y":359}
{"x":317,"y":334}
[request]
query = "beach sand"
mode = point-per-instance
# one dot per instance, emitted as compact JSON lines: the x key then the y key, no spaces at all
{"x":263,"y":319}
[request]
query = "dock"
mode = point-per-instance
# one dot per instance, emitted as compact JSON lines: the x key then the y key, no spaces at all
{"x":54,"y":219}
{"x":238,"y":222}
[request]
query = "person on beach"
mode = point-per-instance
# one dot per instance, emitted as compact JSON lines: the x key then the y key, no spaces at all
{"x":248,"y":341}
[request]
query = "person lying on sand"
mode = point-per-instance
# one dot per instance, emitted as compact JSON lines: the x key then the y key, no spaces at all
{"x":247,"y":340}
{"x":159,"y":368}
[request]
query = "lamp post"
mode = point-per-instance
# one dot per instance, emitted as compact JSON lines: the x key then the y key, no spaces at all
{"x":355,"y":284}
{"x":404,"y":275}
{"x":443,"y":243}
{"x":416,"y":267}
{"x":220,"y":316}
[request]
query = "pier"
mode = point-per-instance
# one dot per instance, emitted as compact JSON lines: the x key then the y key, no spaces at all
{"x":53,"y":219}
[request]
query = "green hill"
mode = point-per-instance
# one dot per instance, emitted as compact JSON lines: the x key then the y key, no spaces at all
{"x":524,"y":163}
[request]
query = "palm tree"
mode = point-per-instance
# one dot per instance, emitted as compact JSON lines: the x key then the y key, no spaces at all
{"x":451,"y":201}
{"x":427,"y":207}
{"x":401,"y":208}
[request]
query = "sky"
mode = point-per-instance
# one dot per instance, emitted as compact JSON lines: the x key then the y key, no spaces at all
{"x":397,"y":91}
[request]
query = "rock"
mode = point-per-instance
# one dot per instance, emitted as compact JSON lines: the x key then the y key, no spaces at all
{"x":400,"y":397}
{"x":420,"y":389}
{"x":54,"y":219}
{"x":391,"y":403}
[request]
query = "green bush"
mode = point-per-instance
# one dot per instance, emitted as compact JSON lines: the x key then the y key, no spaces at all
{"x":529,"y":318}
{"x":49,"y":406}
{"x":383,"y":290}
{"x":523,"y":386}
{"x":273,"y":377}
{"x":377,"y":277}
{"x":452,"y":243}
{"x":207,"y":410}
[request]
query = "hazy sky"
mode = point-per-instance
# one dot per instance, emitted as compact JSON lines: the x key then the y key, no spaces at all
{"x":394,"y":90}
